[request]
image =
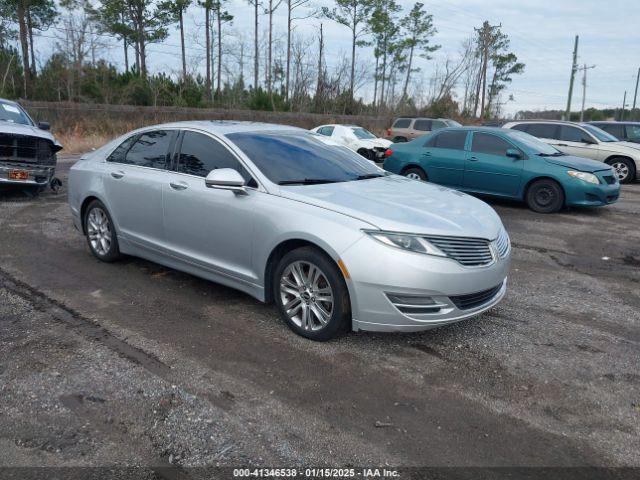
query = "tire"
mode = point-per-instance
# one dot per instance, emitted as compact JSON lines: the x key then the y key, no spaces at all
{"x":399,"y":139}
{"x":100,"y":233}
{"x":545,"y":196}
{"x":625,"y":169}
{"x":297,"y":298}
{"x":415,"y":173}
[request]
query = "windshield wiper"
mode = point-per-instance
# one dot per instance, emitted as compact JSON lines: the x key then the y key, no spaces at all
{"x":308,"y":181}
{"x":557,"y":154}
{"x":370,"y":175}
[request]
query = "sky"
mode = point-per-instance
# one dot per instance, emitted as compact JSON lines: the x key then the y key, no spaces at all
{"x":542,"y":34}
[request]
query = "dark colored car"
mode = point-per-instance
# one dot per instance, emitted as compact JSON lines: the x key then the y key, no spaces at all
{"x":627,"y":131}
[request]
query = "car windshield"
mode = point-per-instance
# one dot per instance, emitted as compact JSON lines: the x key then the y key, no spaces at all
{"x":599,"y":133}
{"x":14,"y":114}
{"x":537,"y":146}
{"x":299,"y":158}
{"x":452,"y":123}
{"x":362,"y":133}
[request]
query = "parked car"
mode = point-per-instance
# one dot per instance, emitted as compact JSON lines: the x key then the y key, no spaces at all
{"x":27,"y":150}
{"x":404,"y":129}
{"x":625,"y":131}
{"x":505,"y":163}
{"x":584,"y":140}
{"x":356,"y":138}
{"x":334,"y":240}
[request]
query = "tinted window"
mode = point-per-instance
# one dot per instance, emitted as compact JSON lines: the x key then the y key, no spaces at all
{"x":118,"y":155}
{"x":633,"y":132}
{"x":326,"y":131}
{"x":523,"y":127}
{"x":422,"y":125}
{"x":571,"y":134}
{"x":296,"y":157}
{"x":614,"y":129}
{"x":543,"y":130}
{"x":453,"y":140}
{"x":150,"y":149}
{"x":402,"y":123}
{"x":199,"y":155}
{"x":489,"y":144}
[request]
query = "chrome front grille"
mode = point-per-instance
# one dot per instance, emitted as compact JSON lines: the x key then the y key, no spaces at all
{"x":503,"y":244}
{"x":470,"y":252}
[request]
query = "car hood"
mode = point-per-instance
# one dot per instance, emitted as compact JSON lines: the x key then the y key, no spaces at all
{"x":399,"y":204}
{"x":375,"y":142}
{"x":579,"y":163}
{"x":29,"y":130}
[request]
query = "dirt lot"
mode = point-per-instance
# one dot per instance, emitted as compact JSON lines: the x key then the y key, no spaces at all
{"x":134,"y":364}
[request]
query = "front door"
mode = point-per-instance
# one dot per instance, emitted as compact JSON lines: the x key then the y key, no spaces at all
{"x":133,"y":179}
{"x":488,"y":169}
{"x":575,"y":141}
{"x":206,"y":226}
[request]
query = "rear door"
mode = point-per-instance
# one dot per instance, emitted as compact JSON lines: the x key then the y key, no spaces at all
{"x":209,"y":227}
{"x":443,"y":157}
{"x":488,"y":169}
{"x":133,"y":179}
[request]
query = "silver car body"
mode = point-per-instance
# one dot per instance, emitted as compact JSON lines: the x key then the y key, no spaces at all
{"x":229,"y":238}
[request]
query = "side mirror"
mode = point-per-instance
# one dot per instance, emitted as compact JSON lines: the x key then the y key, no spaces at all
{"x":226,"y":179}
{"x":513,"y":153}
{"x":44,"y":125}
{"x":588,"y":140}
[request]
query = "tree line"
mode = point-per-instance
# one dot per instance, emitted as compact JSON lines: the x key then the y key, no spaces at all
{"x":270,"y":68}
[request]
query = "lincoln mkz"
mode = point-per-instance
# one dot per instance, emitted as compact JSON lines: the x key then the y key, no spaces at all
{"x":336,"y":242}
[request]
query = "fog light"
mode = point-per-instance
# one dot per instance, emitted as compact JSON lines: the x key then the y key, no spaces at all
{"x":410,"y":300}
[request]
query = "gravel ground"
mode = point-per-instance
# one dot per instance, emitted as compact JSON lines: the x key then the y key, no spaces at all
{"x":133,"y":364}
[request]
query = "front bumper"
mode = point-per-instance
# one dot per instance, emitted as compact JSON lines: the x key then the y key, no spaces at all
{"x":38,"y":175}
{"x":588,"y":195}
{"x":380,"y":273}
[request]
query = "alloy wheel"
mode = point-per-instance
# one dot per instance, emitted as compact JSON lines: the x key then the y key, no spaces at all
{"x":99,"y":231}
{"x":306,"y":295}
{"x":413,"y":176}
{"x":622,"y":170}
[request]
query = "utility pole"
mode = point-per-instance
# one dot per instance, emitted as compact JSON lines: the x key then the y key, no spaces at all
{"x":624,"y":104}
{"x":635,"y":95}
{"x":584,"y":69}
{"x":574,"y":68}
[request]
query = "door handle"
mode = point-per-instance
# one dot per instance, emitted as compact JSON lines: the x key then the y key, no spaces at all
{"x":473,"y":159}
{"x":119,"y":174}
{"x":178,"y":186}
{"x":562,"y":145}
{"x":426,"y":154}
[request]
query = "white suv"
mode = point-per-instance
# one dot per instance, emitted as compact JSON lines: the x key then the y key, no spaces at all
{"x":584,"y":140}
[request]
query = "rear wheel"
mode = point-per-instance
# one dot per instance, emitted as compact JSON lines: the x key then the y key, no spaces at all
{"x":415,"y":173}
{"x":625,"y":169}
{"x":545,"y":196}
{"x":100,"y":232}
{"x":311,"y":294}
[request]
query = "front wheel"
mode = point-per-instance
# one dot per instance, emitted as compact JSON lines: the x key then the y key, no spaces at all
{"x":100,"y":232}
{"x":545,"y":196}
{"x":415,"y":173}
{"x":311,"y":294}
{"x":625,"y":169}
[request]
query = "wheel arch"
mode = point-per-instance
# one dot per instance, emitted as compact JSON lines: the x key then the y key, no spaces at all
{"x":636,"y":165}
{"x":531,"y":181}
{"x":83,"y":209}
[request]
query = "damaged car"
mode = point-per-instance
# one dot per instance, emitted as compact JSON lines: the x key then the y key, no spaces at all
{"x":27,"y":149}
{"x":356,"y":138}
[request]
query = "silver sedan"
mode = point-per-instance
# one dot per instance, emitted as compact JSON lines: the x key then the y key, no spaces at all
{"x":334,"y":241}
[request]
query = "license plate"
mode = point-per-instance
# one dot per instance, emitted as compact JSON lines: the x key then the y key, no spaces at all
{"x":18,"y":175}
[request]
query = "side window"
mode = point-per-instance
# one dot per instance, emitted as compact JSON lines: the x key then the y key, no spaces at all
{"x":523,"y":127}
{"x":422,"y":125}
{"x":453,"y":140}
{"x":199,"y":154}
{"x":118,"y":155}
{"x":489,"y":144}
{"x":633,"y":132}
{"x":571,"y":134}
{"x":151,"y":149}
{"x":402,"y":123}
{"x":437,"y":125}
{"x":543,"y":130}
{"x":326,"y":131}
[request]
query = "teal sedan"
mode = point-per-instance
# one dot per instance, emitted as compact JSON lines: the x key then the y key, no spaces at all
{"x":505,"y":163}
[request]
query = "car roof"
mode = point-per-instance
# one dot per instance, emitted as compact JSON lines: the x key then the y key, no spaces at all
{"x":559,"y":122}
{"x":10,"y":102}
{"x":613,"y":122}
{"x":226,"y":127}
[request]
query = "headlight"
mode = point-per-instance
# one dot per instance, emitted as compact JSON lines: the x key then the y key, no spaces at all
{"x":586,"y":177}
{"x":404,"y":241}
